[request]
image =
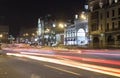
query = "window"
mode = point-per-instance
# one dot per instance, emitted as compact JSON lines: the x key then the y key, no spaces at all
{"x":101,"y":27}
{"x":119,"y":24}
{"x":118,"y":11}
{"x":113,"y":13}
{"x":113,"y":25}
{"x":94,"y":27}
{"x":107,"y":14}
{"x":94,"y":15}
{"x":113,"y":1}
{"x":107,"y":26}
{"x":101,"y":16}
{"x":118,"y":37}
{"x":107,"y":1}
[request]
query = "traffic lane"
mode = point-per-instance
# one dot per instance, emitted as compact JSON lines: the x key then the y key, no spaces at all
{"x":76,"y":54}
{"x":69,"y":63}
{"x":110,"y":54}
{"x":26,"y":68}
{"x":104,"y":62}
{"x":87,"y":58}
{"x":90,"y":55}
{"x":6,"y":71}
{"x":99,"y":59}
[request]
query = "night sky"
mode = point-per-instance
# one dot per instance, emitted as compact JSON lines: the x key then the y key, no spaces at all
{"x":18,"y":13}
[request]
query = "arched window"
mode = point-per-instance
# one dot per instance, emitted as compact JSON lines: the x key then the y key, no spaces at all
{"x":81,"y":32}
{"x":81,"y":37}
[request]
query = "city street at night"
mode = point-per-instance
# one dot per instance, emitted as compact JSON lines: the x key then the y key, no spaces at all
{"x":59,"y":38}
{"x":64,"y":63}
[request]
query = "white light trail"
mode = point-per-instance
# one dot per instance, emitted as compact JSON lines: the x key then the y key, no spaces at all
{"x":84,"y":66}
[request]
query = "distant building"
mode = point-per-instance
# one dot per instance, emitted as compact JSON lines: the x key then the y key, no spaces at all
{"x":4,"y":33}
{"x":44,"y":33}
{"x":104,"y":23}
{"x":28,"y":34}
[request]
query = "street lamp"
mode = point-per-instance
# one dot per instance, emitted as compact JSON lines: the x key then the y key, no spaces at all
{"x":54,"y":25}
{"x":1,"y":35}
{"x":83,"y":16}
{"x":33,"y":34}
{"x":76,"y":16}
{"x":26,"y":34}
{"x":61,"y":25}
{"x":47,"y":30}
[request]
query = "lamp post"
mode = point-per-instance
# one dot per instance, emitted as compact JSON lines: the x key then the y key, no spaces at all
{"x":62,"y":26}
{"x":83,"y":16}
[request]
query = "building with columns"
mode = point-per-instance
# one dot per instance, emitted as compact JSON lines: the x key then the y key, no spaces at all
{"x":104,"y":23}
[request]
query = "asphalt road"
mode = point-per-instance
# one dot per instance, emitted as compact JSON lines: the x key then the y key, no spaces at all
{"x":23,"y":67}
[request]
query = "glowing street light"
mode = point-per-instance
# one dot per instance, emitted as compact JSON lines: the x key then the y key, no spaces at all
{"x":76,"y":16}
{"x":54,"y":25}
{"x":33,"y":34}
{"x":26,"y":34}
{"x":47,"y":30}
{"x":1,"y":35}
{"x":83,"y":16}
{"x":61,"y":25}
{"x":65,"y":25}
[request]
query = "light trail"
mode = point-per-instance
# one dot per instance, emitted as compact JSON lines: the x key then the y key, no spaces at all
{"x":103,"y":50}
{"x":84,"y":66}
{"x":67,"y":51}
{"x":105,"y":54}
{"x":43,"y":51}
{"x":78,"y":58}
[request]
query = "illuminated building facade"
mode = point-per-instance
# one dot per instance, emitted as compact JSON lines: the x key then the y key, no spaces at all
{"x":77,"y":33}
{"x":104,"y":23}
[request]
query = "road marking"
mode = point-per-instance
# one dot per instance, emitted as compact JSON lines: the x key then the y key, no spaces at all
{"x":63,"y":70}
{"x":35,"y":76}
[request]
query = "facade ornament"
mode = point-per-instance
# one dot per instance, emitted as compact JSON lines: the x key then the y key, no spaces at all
{"x":91,"y":8}
{"x":110,"y":2}
{"x":116,"y":1}
{"x":101,"y":4}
